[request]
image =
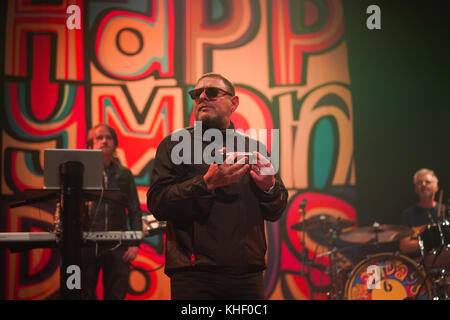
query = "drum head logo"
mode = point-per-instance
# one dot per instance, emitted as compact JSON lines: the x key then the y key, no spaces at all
{"x":387,"y":277}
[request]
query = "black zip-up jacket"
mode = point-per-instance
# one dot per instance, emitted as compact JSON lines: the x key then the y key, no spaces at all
{"x":221,"y":231}
{"x":113,"y":216}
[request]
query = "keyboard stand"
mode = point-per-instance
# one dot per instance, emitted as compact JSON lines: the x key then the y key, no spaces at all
{"x":71,"y":196}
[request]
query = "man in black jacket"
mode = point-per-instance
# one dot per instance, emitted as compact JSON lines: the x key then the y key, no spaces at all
{"x":114,"y":258}
{"x":215,"y":210}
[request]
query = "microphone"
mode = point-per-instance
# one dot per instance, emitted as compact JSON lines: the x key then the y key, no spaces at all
{"x":301,"y":208}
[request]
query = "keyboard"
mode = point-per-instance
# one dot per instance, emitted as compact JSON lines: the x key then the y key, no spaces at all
{"x":18,"y":241}
{"x":28,"y":237}
{"x":113,"y":236}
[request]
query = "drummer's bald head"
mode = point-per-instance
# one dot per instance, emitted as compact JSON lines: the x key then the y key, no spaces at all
{"x":425,"y":171}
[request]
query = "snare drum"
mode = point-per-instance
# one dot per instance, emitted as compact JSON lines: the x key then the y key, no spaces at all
{"x":435,"y":237}
{"x":387,"y":276}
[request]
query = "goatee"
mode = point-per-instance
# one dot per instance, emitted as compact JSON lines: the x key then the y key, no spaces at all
{"x":212,"y":123}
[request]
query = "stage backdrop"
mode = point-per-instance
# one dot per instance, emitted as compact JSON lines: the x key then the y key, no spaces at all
{"x":130,"y":64}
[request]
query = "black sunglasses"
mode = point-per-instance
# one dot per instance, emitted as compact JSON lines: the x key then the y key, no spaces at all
{"x":211,"y":92}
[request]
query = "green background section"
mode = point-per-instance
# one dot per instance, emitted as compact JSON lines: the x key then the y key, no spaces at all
{"x":400,"y":83}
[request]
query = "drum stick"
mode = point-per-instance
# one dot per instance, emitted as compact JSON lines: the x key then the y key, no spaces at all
{"x":439,"y":205}
{"x":447,"y":210}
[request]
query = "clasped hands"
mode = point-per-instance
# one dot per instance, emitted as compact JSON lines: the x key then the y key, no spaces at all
{"x":221,"y":175}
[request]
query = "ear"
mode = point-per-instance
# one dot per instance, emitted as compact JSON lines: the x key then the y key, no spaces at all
{"x":235,"y":103}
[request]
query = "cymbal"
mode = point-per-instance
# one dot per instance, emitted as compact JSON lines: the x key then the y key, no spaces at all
{"x":322,"y":223}
{"x":376,"y":233}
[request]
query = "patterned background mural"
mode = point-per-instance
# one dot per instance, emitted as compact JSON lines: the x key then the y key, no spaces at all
{"x":130,"y":64}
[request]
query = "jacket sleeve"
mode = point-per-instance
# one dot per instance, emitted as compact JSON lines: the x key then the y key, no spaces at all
{"x":134,"y":207}
{"x":174,"y":196}
{"x":274,"y":202}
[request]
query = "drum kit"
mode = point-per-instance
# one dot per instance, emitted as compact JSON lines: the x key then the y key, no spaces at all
{"x":376,"y":270}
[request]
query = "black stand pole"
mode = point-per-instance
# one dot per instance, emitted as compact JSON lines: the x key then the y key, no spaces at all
{"x":305,"y":252}
{"x":333,"y":293}
{"x":71,"y":181}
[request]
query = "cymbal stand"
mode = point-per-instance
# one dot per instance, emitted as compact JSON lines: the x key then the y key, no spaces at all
{"x":305,"y":251}
{"x":377,"y":230}
{"x":428,"y":274}
{"x":444,"y":273}
{"x":334,"y":292}
{"x":440,"y":284}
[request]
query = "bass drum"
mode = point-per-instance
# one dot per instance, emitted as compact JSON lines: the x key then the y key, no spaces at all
{"x":387,"y":276}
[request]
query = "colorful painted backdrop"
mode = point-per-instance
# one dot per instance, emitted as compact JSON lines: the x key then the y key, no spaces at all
{"x":130,"y":64}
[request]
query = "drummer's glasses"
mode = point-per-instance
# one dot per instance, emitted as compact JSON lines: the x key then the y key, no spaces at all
{"x":211,"y":92}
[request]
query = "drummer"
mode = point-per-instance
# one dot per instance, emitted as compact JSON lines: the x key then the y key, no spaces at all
{"x":424,"y":212}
